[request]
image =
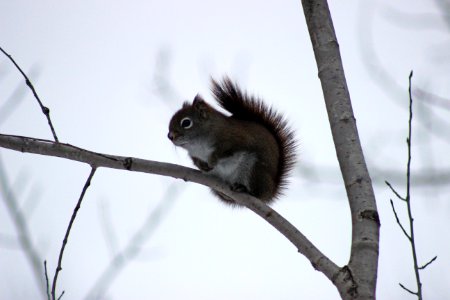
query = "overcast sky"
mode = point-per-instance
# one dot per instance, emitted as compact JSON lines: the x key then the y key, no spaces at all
{"x":114,"y":72}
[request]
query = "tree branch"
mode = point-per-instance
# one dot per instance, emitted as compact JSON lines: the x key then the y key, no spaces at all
{"x":398,"y":221}
{"x":45,"y":110}
{"x":363,"y":262}
{"x":408,"y":290}
{"x":66,"y":236}
{"x":46,"y":280}
{"x":394,"y":191}
{"x":428,"y":263}
{"x":45,"y":147}
{"x":408,"y":195}
{"x":407,"y":200}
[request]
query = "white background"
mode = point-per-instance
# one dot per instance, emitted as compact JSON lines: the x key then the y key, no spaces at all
{"x":101,"y":66}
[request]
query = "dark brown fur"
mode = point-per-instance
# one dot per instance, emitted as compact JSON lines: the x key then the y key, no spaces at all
{"x":253,"y":129}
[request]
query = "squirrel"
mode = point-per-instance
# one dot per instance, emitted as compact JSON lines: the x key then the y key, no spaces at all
{"x":253,"y":150}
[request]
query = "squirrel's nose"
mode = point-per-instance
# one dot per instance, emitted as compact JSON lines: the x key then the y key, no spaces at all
{"x":170,"y":135}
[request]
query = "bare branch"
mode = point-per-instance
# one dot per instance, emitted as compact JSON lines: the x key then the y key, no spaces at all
{"x":408,"y":290}
{"x":45,"y":110}
{"x":408,"y":140}
{"x":398,"y":221}
{"x":363,"y":262}
{"x":428,"y":263}
{"x":66,"y":237}
{"x":408,"y":193}
{"x":408,"y":204}
{"x":394,"y":191}
{"x":46,"y":280}
{"x":62,"y":294}
{"x":49,"y":148}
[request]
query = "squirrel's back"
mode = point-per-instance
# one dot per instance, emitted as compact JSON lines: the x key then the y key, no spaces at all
{"x":248,"y":108}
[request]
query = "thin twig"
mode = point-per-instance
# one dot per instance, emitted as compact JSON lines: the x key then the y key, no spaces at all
{"x":408,"y":194}
{"x":45,"y":110}
{"x":398,"y":220}
{"x":428,"y":263}
{"x":394,"y":191}
{"x":46,"y":280}
{"x":62,"y":294}
{"x":407,"y":199}
{"x":66,"y":237}
{"x":408,"y":290}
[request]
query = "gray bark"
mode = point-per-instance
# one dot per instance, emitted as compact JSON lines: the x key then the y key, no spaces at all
{"x":357,"y":280}
{"x":45,"y":147}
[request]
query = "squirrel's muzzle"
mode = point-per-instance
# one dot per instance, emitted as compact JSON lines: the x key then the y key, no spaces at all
{"x":171,"y":135}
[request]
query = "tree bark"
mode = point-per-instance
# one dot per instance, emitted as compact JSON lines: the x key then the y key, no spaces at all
{"x":96,"y":160}
{"x":357,"y":280}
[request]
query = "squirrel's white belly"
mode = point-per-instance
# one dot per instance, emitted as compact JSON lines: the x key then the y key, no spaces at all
{"x":200,"y":150}
{"x":235,"y":168}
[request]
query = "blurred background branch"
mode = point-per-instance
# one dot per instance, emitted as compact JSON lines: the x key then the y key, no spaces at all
{"x":135,"y":244}
{"x":24,"y":235}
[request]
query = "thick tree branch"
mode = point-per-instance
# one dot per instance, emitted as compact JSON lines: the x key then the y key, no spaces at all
{"x":45,"y":147}
{"x":359,"y":281}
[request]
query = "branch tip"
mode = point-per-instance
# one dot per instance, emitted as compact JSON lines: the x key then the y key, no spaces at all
{"x":428,"y":263}
{"x":408,"y":290}
{"x":46,"y":280}
{"x":62,"y":294}
{"x":394,"y":191}
{"x":398,"y":221}
{"x":44,"y":109}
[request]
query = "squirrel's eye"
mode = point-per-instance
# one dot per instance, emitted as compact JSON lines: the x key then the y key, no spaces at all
{"x":186,"y":123}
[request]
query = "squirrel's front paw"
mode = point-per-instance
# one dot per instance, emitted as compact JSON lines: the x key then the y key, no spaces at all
{"x":237,"y":187}
{"x":202,"y":165}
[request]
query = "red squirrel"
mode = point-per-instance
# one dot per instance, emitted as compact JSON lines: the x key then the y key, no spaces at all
{"x":253,"y":150}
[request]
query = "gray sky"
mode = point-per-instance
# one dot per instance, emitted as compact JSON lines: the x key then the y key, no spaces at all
{"x":100,"y":65}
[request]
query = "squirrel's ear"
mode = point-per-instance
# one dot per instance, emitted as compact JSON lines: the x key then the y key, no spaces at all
{"x":200,"y":106}
{"x":197,"y":99}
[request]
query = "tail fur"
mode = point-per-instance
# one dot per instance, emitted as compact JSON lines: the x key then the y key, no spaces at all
{"x":249,"y":108}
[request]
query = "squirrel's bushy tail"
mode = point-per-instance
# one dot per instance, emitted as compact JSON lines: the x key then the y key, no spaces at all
{"x":249,"y":108}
